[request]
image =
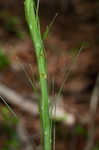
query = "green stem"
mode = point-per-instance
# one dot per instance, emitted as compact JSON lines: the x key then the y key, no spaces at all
{"x":34,"y":27}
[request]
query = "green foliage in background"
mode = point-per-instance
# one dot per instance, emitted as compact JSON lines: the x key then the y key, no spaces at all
{"x":96,"y":148}
{"x":80,"y":130}
{"x":8,"y":130}
{"x":4,"y":61}
{"x":12,"y":24}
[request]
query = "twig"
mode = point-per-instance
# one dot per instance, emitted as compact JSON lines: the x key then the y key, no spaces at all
{"x":92,"y":112}
{"x":16,"y":99}
{"x":24,"y":137}
{"x":32,"y":108}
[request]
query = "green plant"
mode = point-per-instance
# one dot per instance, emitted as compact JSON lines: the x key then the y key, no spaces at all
{"x":79,"y":130}
{"x":4,"y":61}
{"x":31,"y":12}
{"x":8,"y":130}
{"x":12,"y":24}
{"x":32,"y":18}
{"x":95,"y":148}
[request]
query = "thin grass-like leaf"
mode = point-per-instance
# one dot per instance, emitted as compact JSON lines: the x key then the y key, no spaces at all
{"x":9,"y":108}
{"x":66,"y":75}
{"x":45,"y":34}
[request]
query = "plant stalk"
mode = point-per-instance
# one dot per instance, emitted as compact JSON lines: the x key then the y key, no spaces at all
{"x":34,"y":28}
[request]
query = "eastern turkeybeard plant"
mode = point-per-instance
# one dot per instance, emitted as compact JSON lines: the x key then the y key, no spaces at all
{"x":31,"y":13}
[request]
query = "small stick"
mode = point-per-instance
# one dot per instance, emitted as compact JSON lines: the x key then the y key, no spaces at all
{"x":93,"y":108}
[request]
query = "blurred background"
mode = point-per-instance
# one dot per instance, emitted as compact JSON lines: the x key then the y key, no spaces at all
{"x":72,"y":51}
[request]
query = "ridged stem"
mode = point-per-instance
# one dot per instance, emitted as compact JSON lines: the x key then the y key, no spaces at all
{"x":34,"y":28}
